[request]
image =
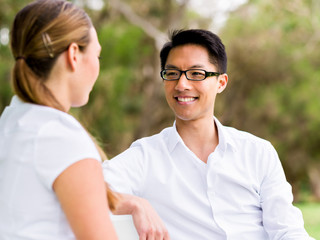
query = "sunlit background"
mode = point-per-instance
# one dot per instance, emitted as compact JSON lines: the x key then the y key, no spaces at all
{"x":274,"y":75}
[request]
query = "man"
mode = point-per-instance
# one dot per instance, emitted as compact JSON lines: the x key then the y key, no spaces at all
{"x":205,"y":180}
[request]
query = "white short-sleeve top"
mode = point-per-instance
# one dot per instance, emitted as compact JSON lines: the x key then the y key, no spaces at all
{"x":37,"y":143}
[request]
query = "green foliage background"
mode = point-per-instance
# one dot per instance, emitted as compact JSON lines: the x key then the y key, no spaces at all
{"x":273,"y":48}
{"x":274,"y":77}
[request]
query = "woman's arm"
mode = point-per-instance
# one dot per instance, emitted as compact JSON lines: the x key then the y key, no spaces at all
{"x":81,"y":191}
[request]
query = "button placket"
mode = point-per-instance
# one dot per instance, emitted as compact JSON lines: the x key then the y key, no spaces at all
{"x":214,"y":161}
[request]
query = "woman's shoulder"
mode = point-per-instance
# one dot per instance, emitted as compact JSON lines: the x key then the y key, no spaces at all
{"x":35,"y":117}
{"x":22,"y":117}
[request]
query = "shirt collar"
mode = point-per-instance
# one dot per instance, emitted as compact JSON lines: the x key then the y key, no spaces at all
{"x":225,"y":138}
{"x":15,"y":101}
{"x":174,"y":137}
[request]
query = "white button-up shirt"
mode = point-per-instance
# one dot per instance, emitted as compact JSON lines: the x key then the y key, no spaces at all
{"x":240,"y":194}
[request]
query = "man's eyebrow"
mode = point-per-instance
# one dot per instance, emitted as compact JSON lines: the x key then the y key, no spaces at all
{"x":171,"y":66}
{"x":175,"y":67}
{"x":197,"y":66}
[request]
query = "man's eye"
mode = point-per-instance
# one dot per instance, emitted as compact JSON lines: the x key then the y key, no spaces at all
{"x":171,"y":73}
{"x":198,"y":74}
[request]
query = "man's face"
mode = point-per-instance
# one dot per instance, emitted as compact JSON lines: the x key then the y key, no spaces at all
{"x":192,"y":100}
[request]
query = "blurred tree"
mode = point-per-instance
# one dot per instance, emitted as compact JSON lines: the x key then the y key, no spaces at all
{"x":7,"y":12}
{"x":273,"y":68}
{"x":128,"y":102}
{"x":273,"y":50}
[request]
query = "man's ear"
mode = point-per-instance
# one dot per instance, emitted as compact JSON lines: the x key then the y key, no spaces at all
{"x":222,"y":81}
{"x":73,"y":55}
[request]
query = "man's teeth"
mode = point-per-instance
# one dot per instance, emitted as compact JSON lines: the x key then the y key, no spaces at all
{"x":189,"y":99}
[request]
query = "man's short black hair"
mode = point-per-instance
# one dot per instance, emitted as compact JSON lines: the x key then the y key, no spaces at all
{"x":204,"y":38}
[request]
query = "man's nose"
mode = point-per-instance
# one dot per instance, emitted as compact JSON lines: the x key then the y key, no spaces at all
{"x":183,"y":83}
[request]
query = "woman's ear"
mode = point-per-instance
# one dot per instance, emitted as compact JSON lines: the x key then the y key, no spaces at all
{"x":73,"y":56}
{"x":222,"y":81}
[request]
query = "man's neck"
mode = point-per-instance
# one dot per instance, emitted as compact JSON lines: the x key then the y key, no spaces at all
{"x":200,"y":136}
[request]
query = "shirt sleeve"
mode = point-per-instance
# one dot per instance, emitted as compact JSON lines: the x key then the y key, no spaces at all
{"x":58,"y":145}
{"x":281,"y":219}
{"x":125,"y":172}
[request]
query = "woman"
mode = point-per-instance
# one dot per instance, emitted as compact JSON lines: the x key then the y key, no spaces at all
{"x":51,"y":181}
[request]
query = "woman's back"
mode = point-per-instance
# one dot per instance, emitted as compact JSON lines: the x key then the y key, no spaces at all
{"x":36,"y":144}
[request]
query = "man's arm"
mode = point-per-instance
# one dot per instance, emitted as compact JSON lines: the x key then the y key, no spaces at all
{"x":125,"y":174}
{"x":281,"y":219}
{"x":147,"y":222}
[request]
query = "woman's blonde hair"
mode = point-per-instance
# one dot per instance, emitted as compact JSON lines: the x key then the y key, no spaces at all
{"x":41,"y":31}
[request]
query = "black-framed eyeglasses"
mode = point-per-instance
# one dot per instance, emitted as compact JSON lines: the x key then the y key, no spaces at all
{"x":191,"y":74}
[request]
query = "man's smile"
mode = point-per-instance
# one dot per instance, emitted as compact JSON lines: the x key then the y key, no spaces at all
{"x":186,"y":99}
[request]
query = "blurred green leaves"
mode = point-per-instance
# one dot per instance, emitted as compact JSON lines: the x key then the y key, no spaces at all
{"x":274,"y":77}
{"x":273,"y":49}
